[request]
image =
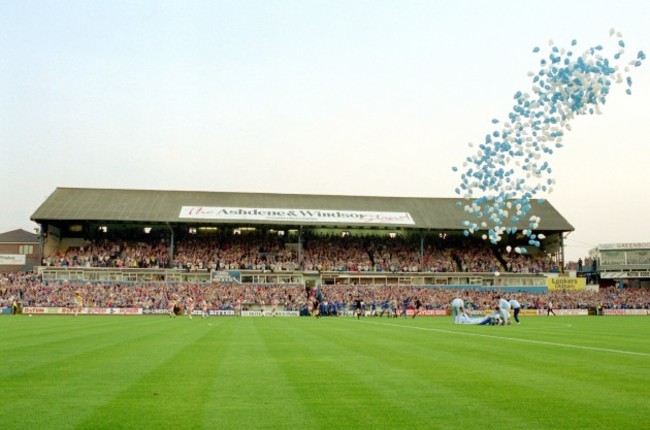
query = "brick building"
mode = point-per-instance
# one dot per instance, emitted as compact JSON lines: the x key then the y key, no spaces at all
{"x":20,"y":251}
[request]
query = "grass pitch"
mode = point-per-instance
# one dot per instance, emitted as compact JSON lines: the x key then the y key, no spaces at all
{"x":95,"y":372}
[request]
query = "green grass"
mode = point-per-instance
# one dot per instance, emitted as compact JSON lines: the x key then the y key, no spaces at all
{"x":62,"y":372}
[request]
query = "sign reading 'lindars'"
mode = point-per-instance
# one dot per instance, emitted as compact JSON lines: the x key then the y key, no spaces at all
{"x":296,"y":215}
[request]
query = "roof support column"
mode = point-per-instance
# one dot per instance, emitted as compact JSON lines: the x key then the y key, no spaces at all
{"x":421,"y":251}
{"x":171,"y":244}
{"x":300,"y":248}
{"x":561,"y":253}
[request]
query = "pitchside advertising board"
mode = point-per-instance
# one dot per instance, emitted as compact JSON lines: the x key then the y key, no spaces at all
{"x":86,"y":311}
{"x":270,"y":314}
{"x":43,"y":310}
{"x":231,"y":313}
{"x":196,"y":312}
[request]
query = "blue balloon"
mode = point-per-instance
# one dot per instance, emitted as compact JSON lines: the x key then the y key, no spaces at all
{"x":511,"y":165}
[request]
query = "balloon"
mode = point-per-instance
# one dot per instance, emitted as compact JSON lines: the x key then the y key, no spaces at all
{"x":511,"y":169}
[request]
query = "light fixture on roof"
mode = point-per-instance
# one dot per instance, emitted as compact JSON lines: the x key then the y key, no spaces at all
{"x":147,"y":230}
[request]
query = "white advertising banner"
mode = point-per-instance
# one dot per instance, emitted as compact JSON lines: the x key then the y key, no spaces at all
{"x":12,"y":260}
{"x":626,"y":245}
{"x":270,"y":314}
{"x":630,"y":274}
{"x":85,"y":311}
{"x":626,"y":311}
{"x":295,"y":215}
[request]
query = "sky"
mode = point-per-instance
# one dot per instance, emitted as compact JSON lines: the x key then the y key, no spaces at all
{"x":373,"y":98}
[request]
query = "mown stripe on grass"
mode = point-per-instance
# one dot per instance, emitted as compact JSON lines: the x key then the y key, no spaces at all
{"x":359,"y":377}
{"x":85,"y":374}
{"x":516,"y":339}
{"x":171,"y":391}
{"x":249,"y":389}
{"x":506,"y":371}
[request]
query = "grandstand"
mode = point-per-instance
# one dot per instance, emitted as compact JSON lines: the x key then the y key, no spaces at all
{"x":147,"y":235}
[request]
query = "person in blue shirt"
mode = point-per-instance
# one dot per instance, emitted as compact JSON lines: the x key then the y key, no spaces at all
{"x":384,"y":308}
{"x":516,"y":307}
{"x":373,"y":309}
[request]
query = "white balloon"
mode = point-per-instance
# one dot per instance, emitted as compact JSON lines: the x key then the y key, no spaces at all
{"x":511,"y":167}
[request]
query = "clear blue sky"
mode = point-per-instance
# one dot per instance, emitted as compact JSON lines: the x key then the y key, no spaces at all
{"x":321,"y":97}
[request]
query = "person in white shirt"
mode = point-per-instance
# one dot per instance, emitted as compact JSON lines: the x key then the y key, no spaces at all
{"x":516,"y":307}
{"x":457,"y":310}
{"x":204,"y":308}
{"x":549,"y":309}
{"x":504,"y":311}
{"x":485,"y":320}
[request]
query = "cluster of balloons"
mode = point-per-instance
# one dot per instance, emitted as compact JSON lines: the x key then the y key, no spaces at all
{"x":511,"y":168}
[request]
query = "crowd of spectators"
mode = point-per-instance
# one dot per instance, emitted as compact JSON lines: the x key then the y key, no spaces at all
{"x":29,"y":290}
{"x":313,"y":253}
{"x":105,"y":253}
